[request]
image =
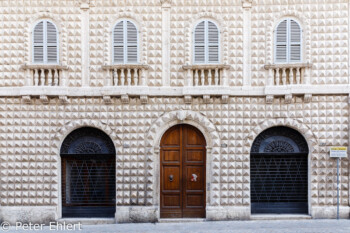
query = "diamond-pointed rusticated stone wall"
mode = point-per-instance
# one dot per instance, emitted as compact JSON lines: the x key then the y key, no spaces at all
{"x":31,"y":136}
{"x":35,"y":121}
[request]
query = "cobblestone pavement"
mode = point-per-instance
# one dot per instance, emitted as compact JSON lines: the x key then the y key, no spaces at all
{"x":264,"y":226}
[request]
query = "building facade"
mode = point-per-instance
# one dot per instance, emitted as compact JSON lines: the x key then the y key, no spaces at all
{"x":141,"y":110}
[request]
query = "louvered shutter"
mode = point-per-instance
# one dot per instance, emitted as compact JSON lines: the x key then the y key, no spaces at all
{"x":38,"y":43}
{"x":199,"y":43}
{"x":295,"y":42}
{"x":213,"y":43}
{"x":45,"y":43}
{"x":52,"y":48}
{"x":281,"y":42}
{"x":132,"y":43}
{"x":118,"y":43}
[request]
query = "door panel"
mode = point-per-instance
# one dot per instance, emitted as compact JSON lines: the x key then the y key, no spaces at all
{"x":195,"y":156}
{"x":175,"y":173}
{"x":171,"y":156}
{"x":172,"y":200}
{"x":195,"y":200}
{"x":194,"y":182}
{"x":182,"y":173}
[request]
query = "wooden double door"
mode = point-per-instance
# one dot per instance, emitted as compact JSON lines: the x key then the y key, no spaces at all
{"x":182,"y":173}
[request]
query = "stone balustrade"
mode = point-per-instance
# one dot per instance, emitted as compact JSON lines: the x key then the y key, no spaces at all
{"x":126,"y":75}
{"x":45,"y":75}
{"x":206,"y":75}
{"x":288,"y":74}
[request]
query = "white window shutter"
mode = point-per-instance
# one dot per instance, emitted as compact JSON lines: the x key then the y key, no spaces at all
{"x":206,"y":43}
{"x":295,"y":42}
{"x":213,"y":43}
{"x":281,"y":42}
{"x":45,"y":43}
{"x":125,"y":43}
{"x":118,"y":43}
{"x":38,"y":43}
{"x":199,"y":43}
{"x":132,"y":43}
{"x":52,"y":48}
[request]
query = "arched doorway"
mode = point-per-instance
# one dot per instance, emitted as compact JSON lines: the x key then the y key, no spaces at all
{"x":182,"y":173}
{"x":88,"y":174}
{"x":279,"y":172}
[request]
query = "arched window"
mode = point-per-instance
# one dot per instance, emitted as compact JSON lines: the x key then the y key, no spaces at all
{"x":206,"y":43}
{"x":45,"y":43}
{"x":288,"y":42}
{"x":125,"y":42}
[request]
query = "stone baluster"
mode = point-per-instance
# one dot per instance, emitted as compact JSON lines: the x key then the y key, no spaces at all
{"x":55,"y":78}
{"x":305,"y":75}
{"x":128,"y":77}
{"x":115,"y":77}
{"x":49,"y":78}
{"x":189,"y":78}
{"x":196,"y":79}
{"x":216,"y":77}
{"x":143,"y":77}
{"x":42,"y":77}
{"x":122,"y":77}
{"x":297,"y":75}
{"x":278,"y":77}
{"x":270,"y":79}
{"x":284,"y":76}
{"x":63,"y":78}
{"x":210,"y":79}
{"x":136,"y":77}
{"x":291,"y":76}
{"x":36,"y":77}
{"x":202,"y":78}
{"x":29,"y":78}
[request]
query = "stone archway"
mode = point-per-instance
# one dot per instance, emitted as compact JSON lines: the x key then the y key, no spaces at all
{"x":206,"y":127}
{"x":279,"y":172}
{"x":182,"y":173}
{"x":62,"y":133}
{"x":88,"y":174}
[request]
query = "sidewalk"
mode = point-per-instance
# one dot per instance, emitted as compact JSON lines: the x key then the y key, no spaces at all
{"x":271,"y":226}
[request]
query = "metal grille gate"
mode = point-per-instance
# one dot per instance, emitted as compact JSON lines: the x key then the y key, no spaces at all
{"x":88,"y":174}
{"x":89,"y":183}
{"x":279,"y":172}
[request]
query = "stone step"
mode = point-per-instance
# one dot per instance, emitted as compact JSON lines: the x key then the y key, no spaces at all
{"x":179,"y":220}
{"x":87,"y":221}
{"x":279,"y":216}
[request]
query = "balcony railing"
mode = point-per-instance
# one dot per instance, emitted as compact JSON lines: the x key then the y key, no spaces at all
{"x":206,"y":75}
{"x":45,"y":75}
{"x":288,"y":74}
{"x":126,"y":75}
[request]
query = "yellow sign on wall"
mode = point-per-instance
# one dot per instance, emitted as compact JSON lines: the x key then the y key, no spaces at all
{"x":338,"y":152}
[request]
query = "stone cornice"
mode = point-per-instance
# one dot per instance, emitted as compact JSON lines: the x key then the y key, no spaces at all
{"x":84,"y":4}
{"x":43,"y":66}
{"x":206,"y":67}
{"x":289,"y":65}
{"x":125,"y":66}
{"x":247,"y":3}
{"x":174,"y":91}
{"x":166,"y":3}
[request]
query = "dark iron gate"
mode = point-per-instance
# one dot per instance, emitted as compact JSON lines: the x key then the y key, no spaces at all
{"x":279,"y":172}
{"x":88,"y":174}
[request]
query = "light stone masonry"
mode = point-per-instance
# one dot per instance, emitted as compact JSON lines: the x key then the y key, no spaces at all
{"x":34,"y":120}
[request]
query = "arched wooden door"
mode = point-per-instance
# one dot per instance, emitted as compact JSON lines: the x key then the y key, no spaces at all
{"x":182,"y":173}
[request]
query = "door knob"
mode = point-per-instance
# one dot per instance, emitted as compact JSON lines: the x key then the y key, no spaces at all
{"x":171,"y":178}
